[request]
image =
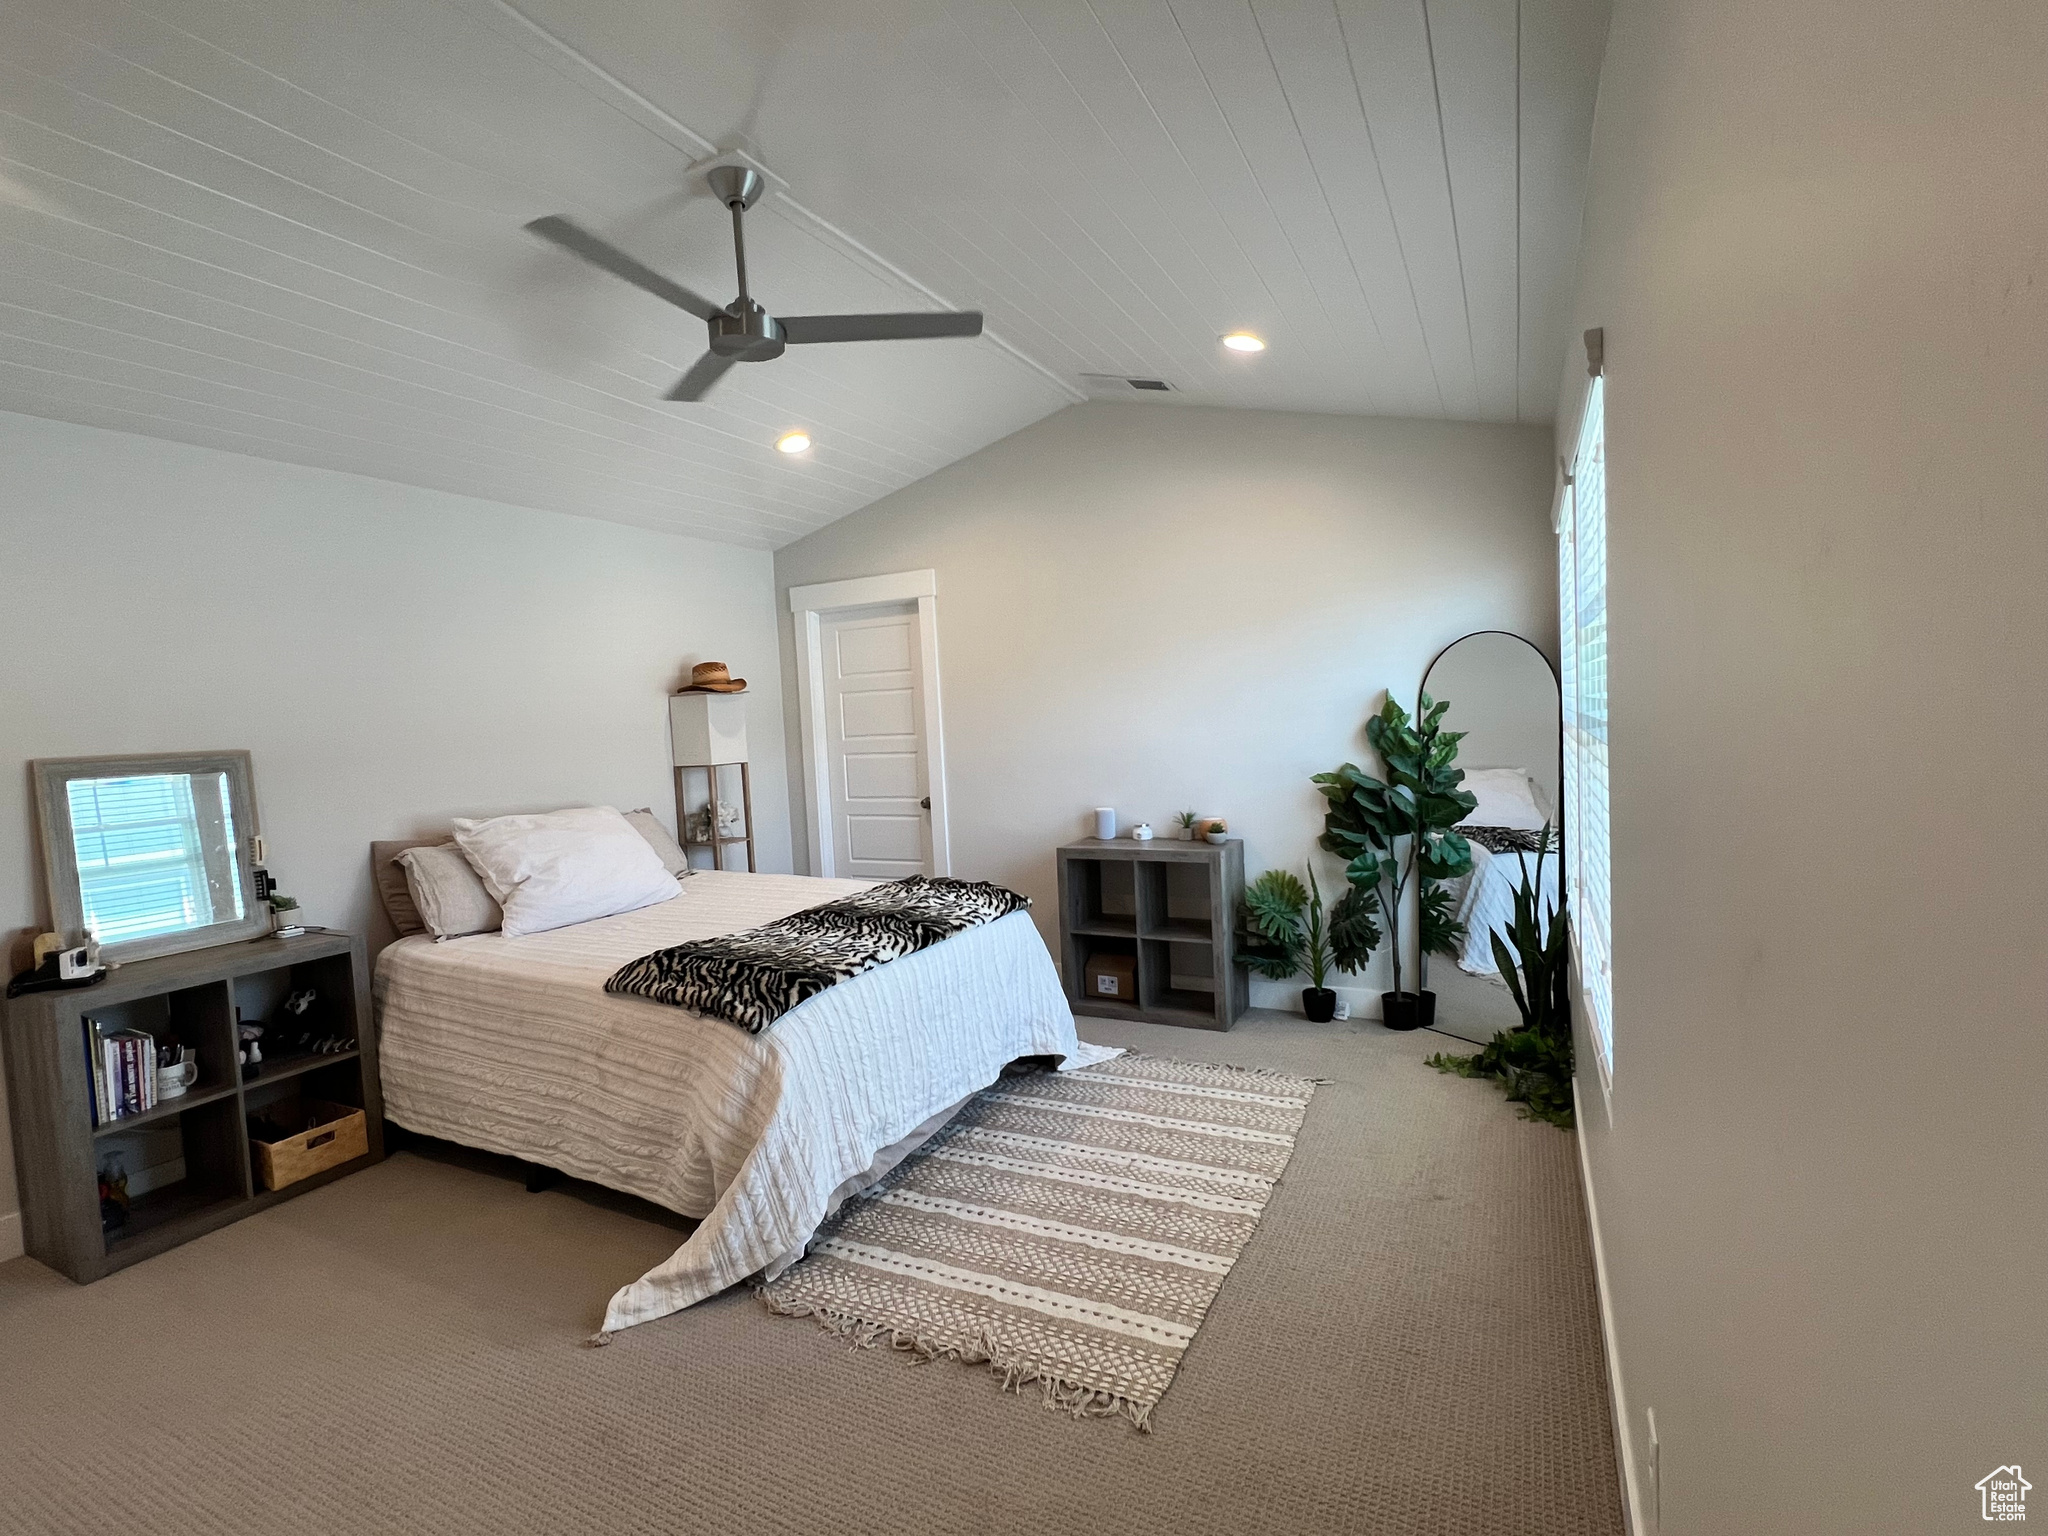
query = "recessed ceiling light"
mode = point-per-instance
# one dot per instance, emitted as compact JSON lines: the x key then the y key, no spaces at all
{"x":1243,"y":341}
{"x":793,"y":442}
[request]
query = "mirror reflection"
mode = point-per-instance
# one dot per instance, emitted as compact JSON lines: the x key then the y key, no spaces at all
{"x":156,"y":854}
{"x":1503,"y":695}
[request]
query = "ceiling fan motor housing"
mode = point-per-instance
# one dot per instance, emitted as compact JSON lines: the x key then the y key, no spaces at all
{"x":751,"y":336}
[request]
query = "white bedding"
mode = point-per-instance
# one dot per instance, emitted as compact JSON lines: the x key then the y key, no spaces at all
{"x":513,"y":1046}
{"x":1488,"y":902}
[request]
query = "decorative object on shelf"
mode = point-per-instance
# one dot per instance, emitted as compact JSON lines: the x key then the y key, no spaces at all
{"x":1396,"y":836}
{"x":1532,"y":1063}
{"x":1105,"y":822}
{"x":175,"y":1079}
{"x":250,"y":1050}
{"x":1218,"y":830}
{"x":713,"y":677}
{"x":731,"y":823}
{"x":708,"y":733}
{"x":1142,"y":832}
{"x":285,"y":917}
{"x":1185,"y":821}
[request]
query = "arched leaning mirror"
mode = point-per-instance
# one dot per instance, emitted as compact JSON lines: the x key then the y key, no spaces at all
{"x":150,"y":855}
{"x":1502,"y":693}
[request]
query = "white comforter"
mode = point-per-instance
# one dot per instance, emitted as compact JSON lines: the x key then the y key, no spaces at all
{"x":1487,"y":903}
{"x":513,"y":1046}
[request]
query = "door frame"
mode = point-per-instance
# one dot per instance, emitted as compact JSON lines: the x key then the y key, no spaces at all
{"x":808,"y":607}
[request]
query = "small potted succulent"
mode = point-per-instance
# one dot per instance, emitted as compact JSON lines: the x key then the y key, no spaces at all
{"x":1186,"y":820}
{"x":1219,"y":830}
{"x":285,"y":917}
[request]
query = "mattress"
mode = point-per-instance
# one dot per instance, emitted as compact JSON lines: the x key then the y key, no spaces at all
{"x":513,"y":1046}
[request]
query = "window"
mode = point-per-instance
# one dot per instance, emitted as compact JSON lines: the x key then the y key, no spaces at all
{"x":1582,"y":626}
{"x":143,"y":854}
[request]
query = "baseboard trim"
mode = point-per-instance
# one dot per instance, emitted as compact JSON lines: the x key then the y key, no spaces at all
{"x":10,"y":1236}
{"x":1617,"y":1395}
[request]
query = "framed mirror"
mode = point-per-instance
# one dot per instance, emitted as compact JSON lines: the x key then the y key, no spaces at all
{"x":150,"y":855}
{"x":1502,"y":693}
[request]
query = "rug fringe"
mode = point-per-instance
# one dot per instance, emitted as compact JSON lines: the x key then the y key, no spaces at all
{"x":1231,"y":1066}
{"x":1074,"y":1398}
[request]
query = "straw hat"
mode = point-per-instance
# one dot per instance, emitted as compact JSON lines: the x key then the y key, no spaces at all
{"x":712,"y":677}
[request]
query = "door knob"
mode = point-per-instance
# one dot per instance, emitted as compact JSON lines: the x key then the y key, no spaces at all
{"x":926,"y":802}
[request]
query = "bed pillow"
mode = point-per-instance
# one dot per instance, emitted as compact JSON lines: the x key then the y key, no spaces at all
{"x":1506,"y":799}
{"x":673,"y":859}
{"x":562,"y":867}
{"x":389,"y":877}
{"x":446,"y":892}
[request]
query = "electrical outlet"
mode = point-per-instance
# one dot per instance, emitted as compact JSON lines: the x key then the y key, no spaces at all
{"x":1653,"y":1495}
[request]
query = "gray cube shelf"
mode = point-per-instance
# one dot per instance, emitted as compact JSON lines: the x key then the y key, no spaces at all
{"x":194,"y":995}
{"x":1171,"y":906}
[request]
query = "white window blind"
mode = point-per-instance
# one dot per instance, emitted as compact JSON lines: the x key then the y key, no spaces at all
{"x":1582,"y":602}
{"x":141,"y":867}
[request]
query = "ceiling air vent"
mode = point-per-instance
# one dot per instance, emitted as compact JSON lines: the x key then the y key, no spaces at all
{"x":1107,"y":385}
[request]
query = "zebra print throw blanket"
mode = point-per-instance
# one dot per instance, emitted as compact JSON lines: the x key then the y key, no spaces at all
{"x":754,"y":977}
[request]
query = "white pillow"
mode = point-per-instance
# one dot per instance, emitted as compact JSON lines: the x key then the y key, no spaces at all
{"x":564,"y":867}
{"x":1506,"y":799}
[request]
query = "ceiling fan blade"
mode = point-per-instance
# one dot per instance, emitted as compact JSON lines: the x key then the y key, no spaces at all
{"x":798,"y":329}
{"x":581,"y":242}
{"x":704,"y":373}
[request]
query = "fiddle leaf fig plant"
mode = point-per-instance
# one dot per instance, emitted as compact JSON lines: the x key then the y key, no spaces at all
{"x":1395,"y":834}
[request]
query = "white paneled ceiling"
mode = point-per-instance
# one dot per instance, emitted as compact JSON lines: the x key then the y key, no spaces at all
{"x":292,"y":227}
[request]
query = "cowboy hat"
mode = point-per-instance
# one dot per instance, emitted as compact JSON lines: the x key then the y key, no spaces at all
{"x":712,"y":677}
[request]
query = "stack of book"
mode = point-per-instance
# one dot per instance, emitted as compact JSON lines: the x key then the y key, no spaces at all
{"x":123,"y":1064}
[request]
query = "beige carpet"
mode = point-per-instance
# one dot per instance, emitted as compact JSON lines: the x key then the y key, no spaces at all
{"x":1409,"y":1343}
{"x":1067,"y":1229}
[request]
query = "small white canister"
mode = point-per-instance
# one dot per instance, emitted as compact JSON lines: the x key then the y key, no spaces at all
{"x":1141,"y":833}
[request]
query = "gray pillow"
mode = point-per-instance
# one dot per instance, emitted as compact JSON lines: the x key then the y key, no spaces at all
{"x":450,"y":898}
{"x":648,"y":826}
{"x":390,"y":882}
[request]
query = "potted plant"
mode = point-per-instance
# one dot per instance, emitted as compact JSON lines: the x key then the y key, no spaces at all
{"x":284,"y":913}
{"x":1395,"y":834}
{"x":1186,"y":820}
{"x":1219,"y":830}
{"x":1285,"y":933}
{"x":1533,"y":1063}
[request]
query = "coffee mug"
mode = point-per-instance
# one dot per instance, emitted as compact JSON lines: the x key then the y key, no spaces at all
{"x":172,"y":1081}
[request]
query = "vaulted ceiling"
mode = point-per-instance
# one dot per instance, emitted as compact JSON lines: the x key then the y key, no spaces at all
{"x":292,"y":228}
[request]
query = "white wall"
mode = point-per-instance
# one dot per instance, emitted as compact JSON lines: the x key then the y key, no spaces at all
{"x":1817,"y":242}
{"x":391,"y":656}
{"x":1157,"y":608}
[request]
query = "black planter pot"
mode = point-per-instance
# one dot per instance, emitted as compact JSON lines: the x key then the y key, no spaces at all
{"x":1319,"y":1003}
{"x":1408,"y":1010}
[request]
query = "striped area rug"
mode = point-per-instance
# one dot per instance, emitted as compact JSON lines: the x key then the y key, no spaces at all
{"x":1068,"y":1228}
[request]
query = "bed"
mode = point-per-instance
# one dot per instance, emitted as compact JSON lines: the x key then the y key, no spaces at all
{"x":511,"y":1045}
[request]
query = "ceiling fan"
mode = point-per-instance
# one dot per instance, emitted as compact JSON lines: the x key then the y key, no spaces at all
{"x":742,"y":331}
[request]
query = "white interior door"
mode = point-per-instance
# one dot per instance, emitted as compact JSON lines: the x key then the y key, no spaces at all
{"x":874,"y":741}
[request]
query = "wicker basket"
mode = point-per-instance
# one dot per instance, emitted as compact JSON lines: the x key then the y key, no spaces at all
{"x":341,"y":1135}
